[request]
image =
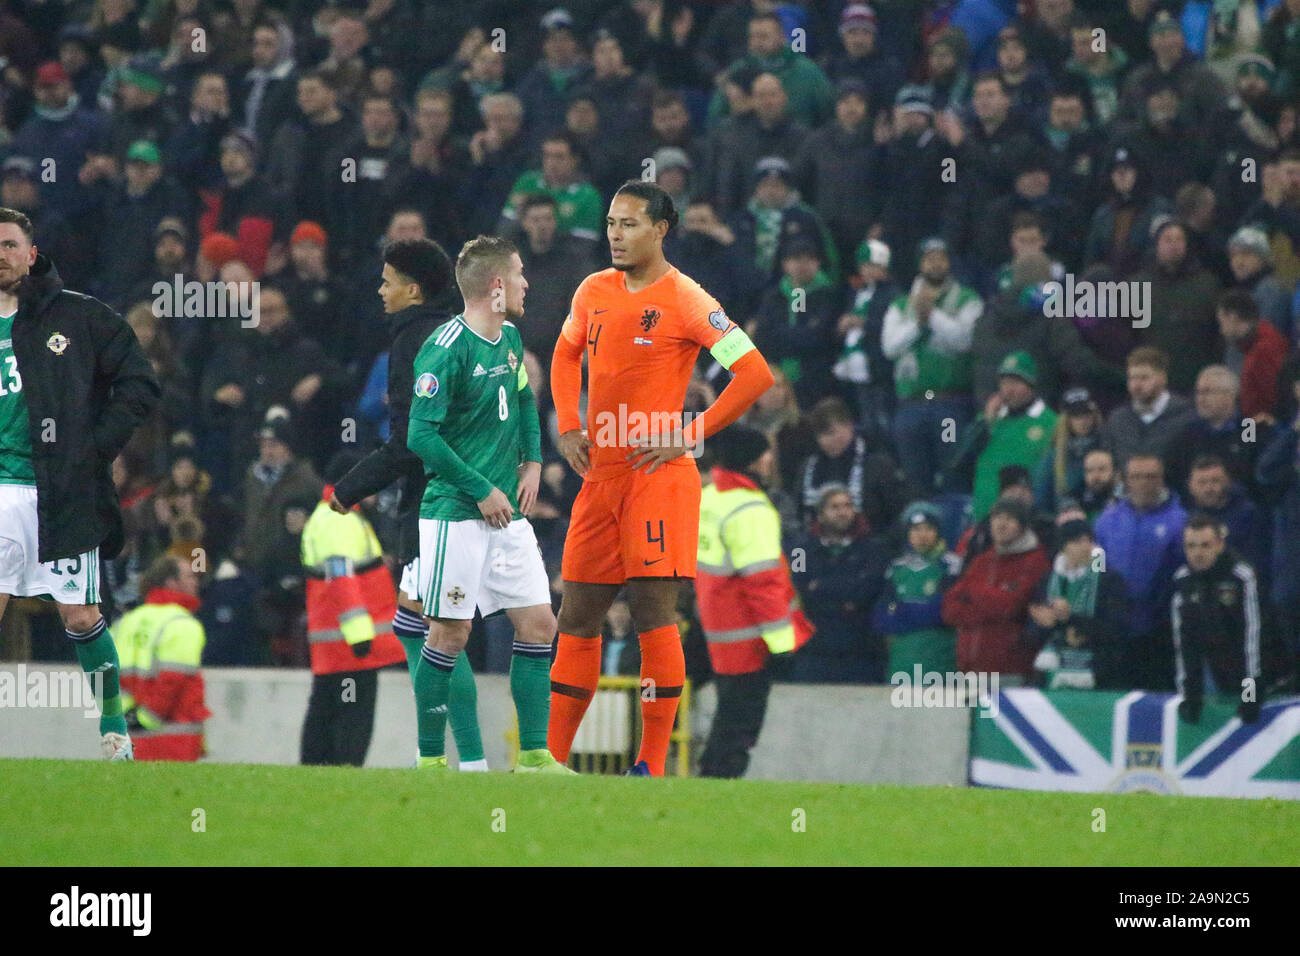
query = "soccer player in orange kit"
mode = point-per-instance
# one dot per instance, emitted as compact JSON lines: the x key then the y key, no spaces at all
{"x":636,"y":521}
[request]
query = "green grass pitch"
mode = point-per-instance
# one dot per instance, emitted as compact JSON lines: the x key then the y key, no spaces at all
{"x":71,"y":813}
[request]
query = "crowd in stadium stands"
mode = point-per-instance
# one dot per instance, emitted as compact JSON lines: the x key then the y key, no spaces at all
{"x":977,"y":469}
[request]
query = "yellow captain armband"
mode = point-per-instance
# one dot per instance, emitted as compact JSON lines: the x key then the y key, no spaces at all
{"x":523,"y":377}
{"x":731,"y":347}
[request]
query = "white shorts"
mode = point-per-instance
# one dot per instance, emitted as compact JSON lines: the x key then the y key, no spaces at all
{"x":467,"y":564}
{"x":67,"y":580}
{"x":410,"y":585}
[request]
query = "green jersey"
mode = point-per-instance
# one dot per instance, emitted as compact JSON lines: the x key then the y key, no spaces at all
{"x":579,"y":210}
{"x":473,"y":391}
{"x":15,"y":427}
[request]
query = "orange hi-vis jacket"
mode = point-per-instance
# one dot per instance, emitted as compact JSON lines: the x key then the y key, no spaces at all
{"x":748,"y":606}
{"x":159,"y":649}
{"x":350,"y":594}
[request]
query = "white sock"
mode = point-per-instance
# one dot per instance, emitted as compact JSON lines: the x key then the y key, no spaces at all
{"x":471,"y":766}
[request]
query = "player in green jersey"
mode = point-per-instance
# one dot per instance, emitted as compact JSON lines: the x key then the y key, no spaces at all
{"x":74,"y":385}
{"x":474,"y":425}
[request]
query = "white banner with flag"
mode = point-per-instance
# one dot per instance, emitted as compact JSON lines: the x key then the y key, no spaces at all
{"x":1099,"y":742}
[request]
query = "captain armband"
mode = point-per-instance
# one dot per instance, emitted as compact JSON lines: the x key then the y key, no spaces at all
{"x":731,"y":347}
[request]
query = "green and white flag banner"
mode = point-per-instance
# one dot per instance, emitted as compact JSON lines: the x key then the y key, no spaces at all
{"x":1100,"y":742}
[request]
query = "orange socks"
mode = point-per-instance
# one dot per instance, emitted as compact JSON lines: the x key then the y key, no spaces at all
{"x":574,"y":675}
{"x":663,"y":672}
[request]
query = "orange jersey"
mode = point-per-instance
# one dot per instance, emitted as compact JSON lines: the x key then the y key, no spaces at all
{"x":641,"y":348}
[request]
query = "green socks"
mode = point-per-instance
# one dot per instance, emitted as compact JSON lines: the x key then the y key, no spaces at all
{"x":98,"y":655}
{"x":462,"y":707}
{"x":444,"y":688}
{"x":462,"y":697}
{"x":432,"y":688}
{"x":412,"y":647}
{"x":530,"y":686}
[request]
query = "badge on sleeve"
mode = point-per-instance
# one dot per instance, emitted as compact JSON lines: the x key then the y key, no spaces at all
{"x":718,"y":319}
{"x":56,"y":343}
{"x":426,"y":386}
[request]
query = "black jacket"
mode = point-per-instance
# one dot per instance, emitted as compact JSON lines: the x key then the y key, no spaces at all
{"x":393,"y":461}
{"x":1216,"y":620}
{"x":88,"y":386}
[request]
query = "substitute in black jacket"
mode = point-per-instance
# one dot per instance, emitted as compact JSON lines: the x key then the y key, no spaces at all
{"x":76,"y":385}
{"x":1216,"y":622}
{"x":415,"y":279}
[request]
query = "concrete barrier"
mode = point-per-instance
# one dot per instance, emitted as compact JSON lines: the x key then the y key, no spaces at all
{"x":812,"y":732}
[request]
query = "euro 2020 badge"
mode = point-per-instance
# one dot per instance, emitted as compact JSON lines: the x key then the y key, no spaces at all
{"x":426,"y":386}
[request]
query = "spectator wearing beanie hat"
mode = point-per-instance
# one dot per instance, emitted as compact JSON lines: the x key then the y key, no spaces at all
{"x":1078,"y":431}
{"x":143,"y":112}
{"x":862,"y":364}
{"x":317,"y":298}
{"x":129,"y":212}
{"x":1119,"y":235}
{"x":911,"y":162}
{"x":1200,"y":91}
{"x":1251,"y":259}
{"x":1180,"y":316}
{"x":742,"y":584}
{"x":989,"y":603}
{"x":62,"y":130}
{"x":795,"y":323}
{"x":864,"y":59}
{"x":776,"y":215}
{"x":909,"y":612}
{"x":215,"y":251}
{"x":1015,"y":428}
{"x":1014,"y":484}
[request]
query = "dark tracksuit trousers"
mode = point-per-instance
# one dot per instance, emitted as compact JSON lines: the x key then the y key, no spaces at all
{"x":340,"y":718}
{"x":742,"y":704}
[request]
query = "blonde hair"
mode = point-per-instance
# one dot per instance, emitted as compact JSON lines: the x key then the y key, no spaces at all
{"x":1061,"y":453}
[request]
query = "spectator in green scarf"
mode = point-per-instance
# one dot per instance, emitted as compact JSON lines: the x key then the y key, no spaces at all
{"x":1078,"y":615}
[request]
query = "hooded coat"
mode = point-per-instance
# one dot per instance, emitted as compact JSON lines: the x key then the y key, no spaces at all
{"x":87,"y":383}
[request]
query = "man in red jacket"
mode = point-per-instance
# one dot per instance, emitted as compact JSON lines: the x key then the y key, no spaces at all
{"x":1254,"y":349}
{"x":989,"y":604}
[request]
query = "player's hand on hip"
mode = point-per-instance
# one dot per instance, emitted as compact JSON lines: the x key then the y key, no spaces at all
{"x":656,"y":450}
{"x":530,"y":479}
{"x":573,"y":446}
{"x":496,"y":509}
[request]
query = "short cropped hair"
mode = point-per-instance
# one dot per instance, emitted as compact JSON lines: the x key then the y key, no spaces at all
{"x":18,"y":219}
{"x":658,"y":204}
{"x":1240,"y":303}
{"x":1201,"y":520}
{"x":827,"y":412}
{"x":481,"y":260}
{"x":1149,"y":356}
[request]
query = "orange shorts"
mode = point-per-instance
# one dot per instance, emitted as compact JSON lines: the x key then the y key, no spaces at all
{"x":635,"y":526}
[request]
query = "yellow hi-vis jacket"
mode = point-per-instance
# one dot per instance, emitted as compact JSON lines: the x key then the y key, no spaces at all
{"x":159,"y":649}
{"x":350,"y":595}
{"x":748,"y":607}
